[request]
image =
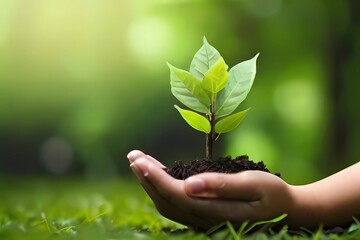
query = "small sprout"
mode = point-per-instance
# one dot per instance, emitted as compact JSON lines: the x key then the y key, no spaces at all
{"x":212,"y":92}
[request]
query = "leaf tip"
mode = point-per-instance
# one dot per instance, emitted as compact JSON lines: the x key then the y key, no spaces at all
{"x":169,"y":65}
{"x":176,"y":106}
{"x":205,"y":40}
{"x":246,"y":111}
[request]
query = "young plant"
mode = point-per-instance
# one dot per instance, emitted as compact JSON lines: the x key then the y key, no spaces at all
{"x":212,"y":92}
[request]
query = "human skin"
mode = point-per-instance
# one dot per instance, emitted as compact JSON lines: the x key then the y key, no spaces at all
{"x":208,"y":199}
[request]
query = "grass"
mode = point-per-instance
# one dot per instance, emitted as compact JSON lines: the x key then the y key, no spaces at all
{"x":44,"y":208}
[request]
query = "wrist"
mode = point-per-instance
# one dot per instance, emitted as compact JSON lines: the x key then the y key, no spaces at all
{"x":306,"y":209}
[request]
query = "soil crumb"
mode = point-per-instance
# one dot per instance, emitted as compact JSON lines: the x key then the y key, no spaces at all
{"x":182,"y":170}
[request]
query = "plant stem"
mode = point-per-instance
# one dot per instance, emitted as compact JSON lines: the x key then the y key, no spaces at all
{"x":210,"y":137}
{"x":208,"y":146}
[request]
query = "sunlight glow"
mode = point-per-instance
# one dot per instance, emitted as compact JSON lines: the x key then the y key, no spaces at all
{"x":253,"y":143}
{"x":298,"y":102}
{"x":150,"y":39}
{"x":4,"y":21}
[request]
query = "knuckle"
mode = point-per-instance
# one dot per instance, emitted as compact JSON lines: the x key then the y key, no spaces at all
{"x":220,"y":184}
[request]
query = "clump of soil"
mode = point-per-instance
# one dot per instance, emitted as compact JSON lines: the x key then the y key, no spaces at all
{"x":182,"y":170}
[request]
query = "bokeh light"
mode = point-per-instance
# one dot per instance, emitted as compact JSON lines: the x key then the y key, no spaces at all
{"x":150,"y":38}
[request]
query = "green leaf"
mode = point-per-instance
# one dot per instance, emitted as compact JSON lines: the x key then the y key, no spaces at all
{"x":195,"y":120}
{"x":229,"y":123}
{"x":203,"y":59}
{"x":188,"y":90}
{"x":355,"y":226}
{"x":216,"y":78}
{"x":241,"y":78}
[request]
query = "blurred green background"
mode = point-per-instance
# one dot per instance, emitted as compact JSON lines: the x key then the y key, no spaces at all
{"x":83,"y":82}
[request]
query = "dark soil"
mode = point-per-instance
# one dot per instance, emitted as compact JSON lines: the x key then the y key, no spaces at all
{"x":182,"y":170}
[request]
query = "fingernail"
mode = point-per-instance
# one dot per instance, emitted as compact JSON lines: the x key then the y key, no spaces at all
{"x":131,"y":156}
{"x":195,"y":185}
{"x":131,"y":165}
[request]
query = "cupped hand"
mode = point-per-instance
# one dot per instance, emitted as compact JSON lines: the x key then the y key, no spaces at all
{"x":208,"y":199}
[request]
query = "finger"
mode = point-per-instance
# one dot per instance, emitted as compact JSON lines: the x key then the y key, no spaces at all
{"x":256,"y":195}
{"x":134,"y":154}
{"x":156,"y":162}
{"x":243,"y":186}
{"x":166,"y":208}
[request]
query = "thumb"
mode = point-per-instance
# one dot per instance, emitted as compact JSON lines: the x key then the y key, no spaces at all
{"x":244,"y":186}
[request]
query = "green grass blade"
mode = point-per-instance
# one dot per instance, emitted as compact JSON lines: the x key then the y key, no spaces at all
{"x":274,"y":220}
{"x":232,"y":231}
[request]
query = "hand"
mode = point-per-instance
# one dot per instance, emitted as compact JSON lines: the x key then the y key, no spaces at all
{"x":166,"y":192}
{"x":207,"y":199}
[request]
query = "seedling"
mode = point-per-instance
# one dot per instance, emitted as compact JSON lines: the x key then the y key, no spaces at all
{"x":212,"y":92}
